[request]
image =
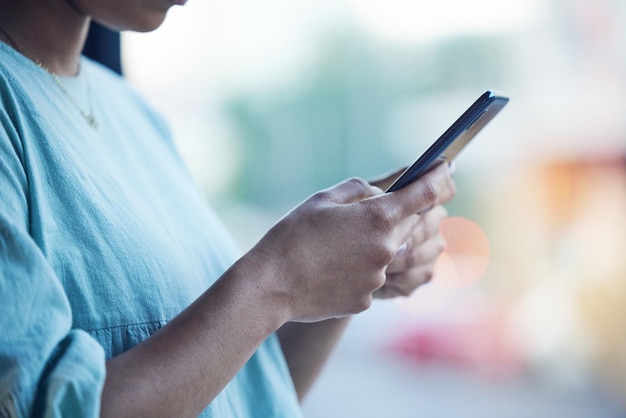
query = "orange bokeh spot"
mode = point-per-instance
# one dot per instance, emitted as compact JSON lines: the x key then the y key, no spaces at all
{"x":468,"y":249}
{"x":463,"y":262}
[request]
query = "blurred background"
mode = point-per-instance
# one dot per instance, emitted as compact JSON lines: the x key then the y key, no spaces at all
{"x":272,"y":100}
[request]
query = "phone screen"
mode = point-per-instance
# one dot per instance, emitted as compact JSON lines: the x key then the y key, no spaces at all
{"x":456,"y":137}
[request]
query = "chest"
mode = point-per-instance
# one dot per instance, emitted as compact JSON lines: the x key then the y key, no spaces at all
{"x":124,"y":228}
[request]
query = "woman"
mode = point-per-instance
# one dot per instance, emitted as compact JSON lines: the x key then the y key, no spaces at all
{"x":122,"y":295}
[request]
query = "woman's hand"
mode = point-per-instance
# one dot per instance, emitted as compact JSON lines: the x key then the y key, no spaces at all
{"x":325,"y":259}
{"x":329,"y":256}
{"x":415,"y":259}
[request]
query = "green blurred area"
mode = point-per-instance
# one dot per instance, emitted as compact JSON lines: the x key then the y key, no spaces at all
{"x":331,"y":125}
{"x":546,"y":181}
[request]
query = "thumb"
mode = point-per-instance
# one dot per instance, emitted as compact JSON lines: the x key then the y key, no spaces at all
{"x":387,"y":180}
{"x":351,"y":190}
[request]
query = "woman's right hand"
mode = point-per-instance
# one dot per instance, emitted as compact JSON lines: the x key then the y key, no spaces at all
{"x":325,"y":258}
{"x":322,"y":260}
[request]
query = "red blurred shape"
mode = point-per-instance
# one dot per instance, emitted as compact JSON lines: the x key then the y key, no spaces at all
{"x":479,"y":345}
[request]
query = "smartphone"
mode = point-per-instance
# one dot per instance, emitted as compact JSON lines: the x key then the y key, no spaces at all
{"x":456,"y":137}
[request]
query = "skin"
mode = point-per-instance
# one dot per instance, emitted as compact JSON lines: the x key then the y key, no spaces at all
{"x":325,"y":260}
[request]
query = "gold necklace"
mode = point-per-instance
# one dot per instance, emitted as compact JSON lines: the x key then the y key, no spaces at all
{"x":89,"y":116}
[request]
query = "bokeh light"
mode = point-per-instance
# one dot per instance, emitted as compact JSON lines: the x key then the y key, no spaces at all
{"x":464,"y":262}
{"x":360,"y":87}
{"x":468,"y":249}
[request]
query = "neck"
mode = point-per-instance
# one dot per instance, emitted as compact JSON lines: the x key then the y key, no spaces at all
{"x":51,"y":31}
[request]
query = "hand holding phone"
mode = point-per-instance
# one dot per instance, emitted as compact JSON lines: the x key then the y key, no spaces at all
{"x":455,"y":138}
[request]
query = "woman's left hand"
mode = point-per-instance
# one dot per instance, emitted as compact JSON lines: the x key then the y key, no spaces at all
{"x":414,"y":263}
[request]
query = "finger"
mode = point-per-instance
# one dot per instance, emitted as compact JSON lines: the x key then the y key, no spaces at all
{"x":410,"y":231}
{"x":432,"y":219}
{"x":415,"y":255}
{"x":405,"y":283}
{"x":433,"y":188}
{"x":387,"y":179}
{"x":425,"y":224}
{"x":415,"y":230}
{"x":349,"y":191}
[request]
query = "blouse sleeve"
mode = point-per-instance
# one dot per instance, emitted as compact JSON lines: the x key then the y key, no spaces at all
{"x":46,"y":367}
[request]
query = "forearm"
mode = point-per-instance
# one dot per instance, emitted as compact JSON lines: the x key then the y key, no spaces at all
{"x":322,"y":260}
{"x":307,"y":346}
{"x":183,"y":367}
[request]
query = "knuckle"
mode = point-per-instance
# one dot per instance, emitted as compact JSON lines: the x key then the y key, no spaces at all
{"x":378,"y":215}
{"x":360,"y":187}
{"x":363,"y":304}
{"x":381,"y":293}
{"x":429,"y":273}
{"x":318,"y":197}
{"x":406,"y":292}
{"x":384,"y":254}
{"x":441,"y":244}
{"x":449,"y":191}
{"x":452,"y":187}
{"x":381,"y":279}
{"x":429,"y":192}
{"x":359,"y":182}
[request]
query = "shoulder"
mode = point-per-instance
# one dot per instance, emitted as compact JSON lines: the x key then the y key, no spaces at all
{"x":15,"y":97}
{"x":13,"y":76}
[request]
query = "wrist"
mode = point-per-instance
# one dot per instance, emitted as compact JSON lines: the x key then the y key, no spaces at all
{"x":256,"y":282}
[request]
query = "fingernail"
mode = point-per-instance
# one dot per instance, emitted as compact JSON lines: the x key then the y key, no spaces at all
{"x":452,"y":167}
{"x":402,"y":250}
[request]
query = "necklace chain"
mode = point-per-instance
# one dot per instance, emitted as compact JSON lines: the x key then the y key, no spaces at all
{"x":89,"y":116}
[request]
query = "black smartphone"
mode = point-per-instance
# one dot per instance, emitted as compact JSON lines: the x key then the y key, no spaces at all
{"x":455,"y":138}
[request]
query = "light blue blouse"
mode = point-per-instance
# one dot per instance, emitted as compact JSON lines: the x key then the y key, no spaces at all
{"x":103,"y":238}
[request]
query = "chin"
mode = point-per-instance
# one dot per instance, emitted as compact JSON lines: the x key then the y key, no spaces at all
{"x":143,"y":24}
{"x":149,"y":25}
